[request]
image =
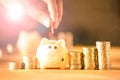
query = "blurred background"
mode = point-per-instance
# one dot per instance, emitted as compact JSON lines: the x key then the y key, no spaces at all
{"x":92,"y":20}
{"x":88,"y":21}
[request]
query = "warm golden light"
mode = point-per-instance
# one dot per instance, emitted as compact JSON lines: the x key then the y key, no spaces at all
{"x":1,"y":53}
{"x":28,"y":42}
{"x":15,"y":11}
{"x":9,"y":48}
{"x":12,"y":65}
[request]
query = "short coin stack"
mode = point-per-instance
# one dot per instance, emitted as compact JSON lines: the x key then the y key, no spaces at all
{"x":76,"y":60}
{"x":12,"y":65}
{"x":89,"y":62}
{"x":28,"y":62}
{"x":103,"y":54}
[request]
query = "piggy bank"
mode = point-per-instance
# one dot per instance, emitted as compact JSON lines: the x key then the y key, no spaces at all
{"x":52,"y":54}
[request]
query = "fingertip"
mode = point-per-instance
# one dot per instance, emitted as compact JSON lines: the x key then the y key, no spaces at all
{"x":55,"y":26}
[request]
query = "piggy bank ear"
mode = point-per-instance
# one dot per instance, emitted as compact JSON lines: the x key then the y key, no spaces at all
{"x":61,"y":42}
{"x":44,"y":41}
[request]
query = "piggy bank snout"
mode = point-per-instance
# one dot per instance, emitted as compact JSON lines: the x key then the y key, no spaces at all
{"x":54,"y":54}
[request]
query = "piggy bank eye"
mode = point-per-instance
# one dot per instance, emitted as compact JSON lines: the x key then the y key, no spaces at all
{"x":55,"y":47}
{"x":49,"y":47}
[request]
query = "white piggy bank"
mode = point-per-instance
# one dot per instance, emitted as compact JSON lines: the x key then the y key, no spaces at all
{"x":52,"y":54}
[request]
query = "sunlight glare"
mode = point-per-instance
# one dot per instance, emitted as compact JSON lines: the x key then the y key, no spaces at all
{"x":15,"y":11}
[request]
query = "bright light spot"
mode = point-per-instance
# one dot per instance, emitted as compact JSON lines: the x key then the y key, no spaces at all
{"x":25,"y":59}
{"x":46,"y":23}
{"x":1,"y":54}
{"x":9,"y":48}
{"x":15,"y":11}
{"x":12,"y":65}
{"x":28,"y":42}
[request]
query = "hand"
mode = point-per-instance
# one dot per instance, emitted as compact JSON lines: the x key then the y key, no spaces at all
{"x":50,"y":17}
{"x":55,"y":8}
{"x":47,"y":12}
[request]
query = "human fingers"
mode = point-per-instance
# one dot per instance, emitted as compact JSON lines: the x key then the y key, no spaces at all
{"x":36,"y":9}
{"x":53,"y":11}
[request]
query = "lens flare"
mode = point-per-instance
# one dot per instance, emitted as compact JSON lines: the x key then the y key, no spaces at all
{"x":1,"y":54}
{"x":9,"y":48}
{"x":15,"y":11}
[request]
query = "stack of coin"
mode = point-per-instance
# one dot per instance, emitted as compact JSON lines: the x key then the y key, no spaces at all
{"x":103,"y":54}
{"x":28,"y":62}
{"x":89,"y":63}
{"x":95,"y":57}
{"x":76,"y":60}
{"x":12,"y":65}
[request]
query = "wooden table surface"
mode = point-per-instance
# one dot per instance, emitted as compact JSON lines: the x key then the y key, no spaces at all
{"x":60,"y":75}
{"x":54,"y":74}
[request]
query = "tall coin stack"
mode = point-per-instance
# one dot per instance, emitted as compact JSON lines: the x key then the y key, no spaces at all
{"x":89,"y":63}
{"x":76,"y":59}
{"x":103,"y":54}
